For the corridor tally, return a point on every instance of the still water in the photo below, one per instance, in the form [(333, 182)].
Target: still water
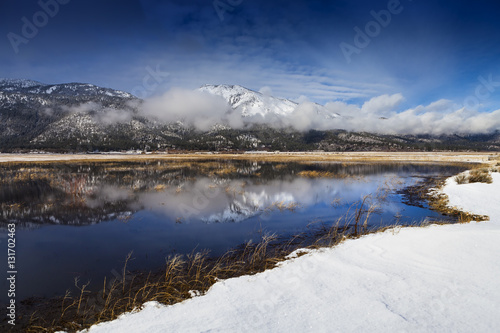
[(82, 219)]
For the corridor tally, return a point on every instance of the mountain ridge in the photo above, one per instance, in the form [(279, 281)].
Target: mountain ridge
[(72, 88), (84, 117)]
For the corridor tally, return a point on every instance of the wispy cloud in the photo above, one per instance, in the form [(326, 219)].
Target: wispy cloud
[(101, 114)]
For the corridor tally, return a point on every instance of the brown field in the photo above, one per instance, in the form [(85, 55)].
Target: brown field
[(304, 157)]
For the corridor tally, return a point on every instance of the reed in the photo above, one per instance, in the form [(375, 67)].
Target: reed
[(186, 276)]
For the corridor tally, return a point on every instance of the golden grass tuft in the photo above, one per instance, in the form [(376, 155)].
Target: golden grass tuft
[(461, 178), (160, 187), (322, 174), (479, 175)]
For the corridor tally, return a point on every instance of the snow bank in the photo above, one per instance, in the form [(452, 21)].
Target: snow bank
[(477, 198), (438, 278)]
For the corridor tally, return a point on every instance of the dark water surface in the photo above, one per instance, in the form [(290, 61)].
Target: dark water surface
[(83, 219)]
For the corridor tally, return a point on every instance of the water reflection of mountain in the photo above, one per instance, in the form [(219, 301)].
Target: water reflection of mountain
[(39, 202), (211, 191)]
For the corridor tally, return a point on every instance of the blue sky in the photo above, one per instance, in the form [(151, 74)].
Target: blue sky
[(427, 50)]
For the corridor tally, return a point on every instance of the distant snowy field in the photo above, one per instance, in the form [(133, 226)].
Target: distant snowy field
[(438, 278)]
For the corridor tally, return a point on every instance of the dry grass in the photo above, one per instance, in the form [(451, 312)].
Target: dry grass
[(438, 201), (429, 192), (375, 157), (325, 174), (182, 277), (316, 174), (461, 178), (337, 202), (476, 175), (480, 176), (185, 276), (160, 187), (281, 206), (71, 178)]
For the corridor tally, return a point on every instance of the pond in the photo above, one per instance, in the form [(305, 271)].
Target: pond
[(82, 219)]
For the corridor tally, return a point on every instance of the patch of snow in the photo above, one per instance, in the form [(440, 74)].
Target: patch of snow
[(51, 90), (477, 198)]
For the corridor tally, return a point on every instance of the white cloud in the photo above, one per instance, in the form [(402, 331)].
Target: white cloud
[(377, 115), (193, 108), (266, 90), (101, 114), (110, 116), (437, 118), (384, 105), (85, 107)]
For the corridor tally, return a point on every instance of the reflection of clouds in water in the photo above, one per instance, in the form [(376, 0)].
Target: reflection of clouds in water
[(236, 200), (106, 194)]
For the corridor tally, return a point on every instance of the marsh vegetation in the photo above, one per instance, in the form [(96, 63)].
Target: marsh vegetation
[(185, 225)]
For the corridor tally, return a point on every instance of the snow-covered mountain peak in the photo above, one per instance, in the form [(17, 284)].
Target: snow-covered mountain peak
[(250, 102)]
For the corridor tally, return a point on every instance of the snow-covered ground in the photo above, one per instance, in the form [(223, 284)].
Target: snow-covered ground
[(437, 278)]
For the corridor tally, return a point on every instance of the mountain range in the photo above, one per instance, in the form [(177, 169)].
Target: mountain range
[(83, 117)]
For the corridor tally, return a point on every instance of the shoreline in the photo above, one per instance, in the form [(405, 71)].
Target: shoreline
[(314, 238), (457, 283), (376, 157), (484, 157)]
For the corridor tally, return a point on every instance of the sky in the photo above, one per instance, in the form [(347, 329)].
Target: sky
[(443, 51)]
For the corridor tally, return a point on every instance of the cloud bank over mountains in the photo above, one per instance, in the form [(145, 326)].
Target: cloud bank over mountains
[(382, 114)]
